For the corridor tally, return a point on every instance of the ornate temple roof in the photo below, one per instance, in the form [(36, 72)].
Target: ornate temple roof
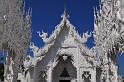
[(50, 41)]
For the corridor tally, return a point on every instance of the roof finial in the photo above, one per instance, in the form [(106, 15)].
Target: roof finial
[(64, 15), (65, 9)]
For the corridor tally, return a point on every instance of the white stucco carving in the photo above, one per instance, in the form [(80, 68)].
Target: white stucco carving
[(15, 35), (63, 51), (65, 55)]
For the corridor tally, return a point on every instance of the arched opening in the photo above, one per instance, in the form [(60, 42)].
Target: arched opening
[(64, 73), (64, 70)]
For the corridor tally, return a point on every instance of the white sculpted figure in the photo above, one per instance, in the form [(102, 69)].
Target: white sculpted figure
[(44, 36), (86, 36), (28, 61), (37, 54), (35, 49)]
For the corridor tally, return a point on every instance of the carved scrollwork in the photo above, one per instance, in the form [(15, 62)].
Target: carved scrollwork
[(36, 51), (86, 36), (86, 76), (44, 36)]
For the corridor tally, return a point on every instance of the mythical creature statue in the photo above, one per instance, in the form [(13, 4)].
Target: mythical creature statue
[(37, 54), (85, 37), (36, 51), (44, 36), (28, 61)]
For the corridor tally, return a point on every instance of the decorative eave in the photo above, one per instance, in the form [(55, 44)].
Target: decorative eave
[(58, 28), (49, 41)]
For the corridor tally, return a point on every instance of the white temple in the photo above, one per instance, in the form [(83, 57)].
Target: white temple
[(65, 56)]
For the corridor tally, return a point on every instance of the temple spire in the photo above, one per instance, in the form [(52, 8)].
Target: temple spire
[(65, 9), (65, 15)]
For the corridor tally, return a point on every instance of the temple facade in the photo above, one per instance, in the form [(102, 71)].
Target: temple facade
[(66, 58)]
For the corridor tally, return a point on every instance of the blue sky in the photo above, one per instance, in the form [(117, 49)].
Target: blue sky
[(47, 14)]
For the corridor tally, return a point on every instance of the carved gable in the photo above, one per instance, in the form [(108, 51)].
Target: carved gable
[(64, 56)]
